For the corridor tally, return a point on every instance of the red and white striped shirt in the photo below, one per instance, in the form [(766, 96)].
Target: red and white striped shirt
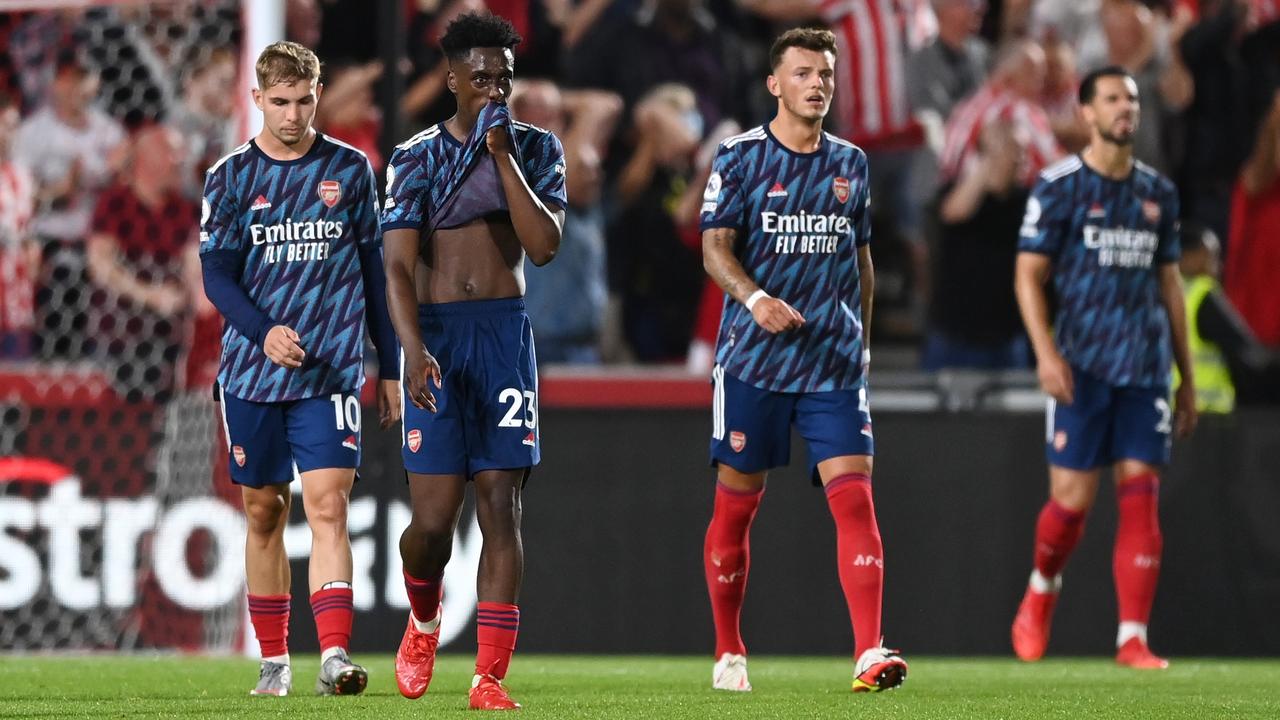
[(17, 287), (874, 38), (993, 103)]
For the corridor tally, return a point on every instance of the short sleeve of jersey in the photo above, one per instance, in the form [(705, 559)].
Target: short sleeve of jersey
[(1042, 224), (365, 215), (722, 201), (1169, 249), (218, 212), (408, 180), (545, 170), (862, 207)]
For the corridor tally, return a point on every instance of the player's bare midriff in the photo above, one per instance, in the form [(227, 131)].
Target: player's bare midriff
[(477, 261)]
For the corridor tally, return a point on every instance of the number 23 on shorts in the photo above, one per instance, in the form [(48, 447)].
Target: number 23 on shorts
[(517, 401)]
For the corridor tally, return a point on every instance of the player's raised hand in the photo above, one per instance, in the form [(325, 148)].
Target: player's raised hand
[(389, 410), (1055, 378), (1185, 416), (282, 347), (776, 315), (418, 367), (497, 141)]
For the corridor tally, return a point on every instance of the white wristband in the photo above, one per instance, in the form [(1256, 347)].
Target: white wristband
[(755, 298), (866, 357)]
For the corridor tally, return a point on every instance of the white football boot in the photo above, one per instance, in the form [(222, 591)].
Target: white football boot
[(730, 673)]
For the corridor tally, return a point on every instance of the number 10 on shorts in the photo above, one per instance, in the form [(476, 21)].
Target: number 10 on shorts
[(526, 400), (346, 408)]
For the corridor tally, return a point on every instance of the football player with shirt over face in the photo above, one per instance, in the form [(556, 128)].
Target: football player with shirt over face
[(786, 231), (468, 200), (1104, 228), (291, 255)]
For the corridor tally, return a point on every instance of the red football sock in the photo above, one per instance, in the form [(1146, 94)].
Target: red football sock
[(860, 556), (1136, 562), (726, 557), (270, 617), (333, 612), (497, 625), (424, 596), (1057, 532)]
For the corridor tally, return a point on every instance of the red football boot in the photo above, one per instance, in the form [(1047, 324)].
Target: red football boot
[(487, 693), (1134, 653), (1031, 625), (416, 659)]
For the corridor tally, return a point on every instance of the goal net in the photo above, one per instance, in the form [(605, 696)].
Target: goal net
[(117, 526)]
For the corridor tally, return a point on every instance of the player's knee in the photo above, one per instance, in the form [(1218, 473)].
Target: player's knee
[(852, 500), (426, 545), (328, 512), (1076, 497), (265, 516), (498, 508), (433, 532), (1137, 500)]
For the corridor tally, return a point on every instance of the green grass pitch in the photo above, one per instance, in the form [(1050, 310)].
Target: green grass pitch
[(649, 688)]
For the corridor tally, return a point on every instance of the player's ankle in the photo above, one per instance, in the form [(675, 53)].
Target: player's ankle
[(428, 626), (330, 652), (277, 659), (1129, 630), (1044, 585)]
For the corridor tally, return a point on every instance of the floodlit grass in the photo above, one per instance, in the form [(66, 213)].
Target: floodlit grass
[(649, 687)]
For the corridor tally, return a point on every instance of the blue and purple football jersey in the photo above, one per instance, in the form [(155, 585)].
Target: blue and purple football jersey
[(1107, 239), (801, 218), (436, 181), (297, 226)]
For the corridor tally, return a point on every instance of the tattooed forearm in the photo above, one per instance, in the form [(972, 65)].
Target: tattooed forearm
[(723, 267)]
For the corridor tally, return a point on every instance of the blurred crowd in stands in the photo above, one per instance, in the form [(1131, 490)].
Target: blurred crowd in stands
[(108, 117)]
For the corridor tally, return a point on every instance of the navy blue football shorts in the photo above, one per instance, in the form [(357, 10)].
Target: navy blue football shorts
[(487, 410), (1106, 423), (268, 443), (751, 428)]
